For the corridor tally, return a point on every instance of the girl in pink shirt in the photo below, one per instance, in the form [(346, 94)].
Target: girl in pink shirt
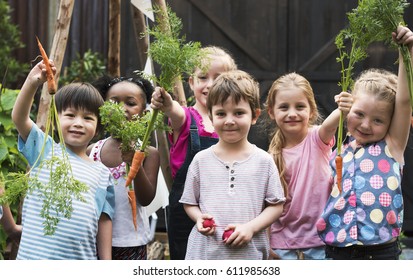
[(301, 150), (192, 131)]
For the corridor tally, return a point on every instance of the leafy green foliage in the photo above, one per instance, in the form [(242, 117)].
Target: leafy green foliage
[(10, 158), (10, 41), (58, 193), (129, 132), (84, 69), (171, 51)]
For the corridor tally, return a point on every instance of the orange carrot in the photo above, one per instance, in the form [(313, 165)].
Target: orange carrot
[(132, 201), (339, 169), (137, 160), (51, 83)]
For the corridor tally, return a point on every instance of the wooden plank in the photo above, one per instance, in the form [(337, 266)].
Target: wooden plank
[(232, 34), (114, 38)]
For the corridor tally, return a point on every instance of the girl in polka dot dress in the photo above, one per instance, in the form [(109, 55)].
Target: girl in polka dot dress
[(365, 219)]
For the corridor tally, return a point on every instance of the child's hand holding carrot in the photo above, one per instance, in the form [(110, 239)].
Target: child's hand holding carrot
[(161, 100), (344, 102), (38, 74)]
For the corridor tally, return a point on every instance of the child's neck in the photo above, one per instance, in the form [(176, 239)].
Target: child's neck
[(80, 152), (206, 121), (295, 139), (233, 152)]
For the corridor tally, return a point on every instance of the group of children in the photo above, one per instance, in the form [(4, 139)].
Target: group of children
[(230, 199)]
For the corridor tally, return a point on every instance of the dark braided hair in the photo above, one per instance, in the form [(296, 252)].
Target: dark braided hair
[(104, 83)]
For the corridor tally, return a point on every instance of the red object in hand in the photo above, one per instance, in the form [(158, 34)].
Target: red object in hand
[(227, 234), (208, 223)]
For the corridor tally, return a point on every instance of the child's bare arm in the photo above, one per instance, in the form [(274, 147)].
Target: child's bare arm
[(104, 237), (328, 129), (399, 127), (21, 109)]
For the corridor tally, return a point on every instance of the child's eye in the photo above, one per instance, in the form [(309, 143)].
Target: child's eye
[(377, 121), (359, 114), (202, 77)]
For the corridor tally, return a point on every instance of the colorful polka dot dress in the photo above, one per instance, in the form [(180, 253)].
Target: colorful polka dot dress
[(370, 209)]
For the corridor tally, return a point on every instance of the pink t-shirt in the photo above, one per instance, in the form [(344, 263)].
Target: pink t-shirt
[(308, 175), (179, 149)]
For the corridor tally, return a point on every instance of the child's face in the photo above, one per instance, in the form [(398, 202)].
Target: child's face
[(131, 95), (233, 121), (291, 112), (369, 119), (78, 128), (201, 82)]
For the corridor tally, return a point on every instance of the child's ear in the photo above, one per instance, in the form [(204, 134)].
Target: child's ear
[(257, 115), (191, 82), (270, 113)]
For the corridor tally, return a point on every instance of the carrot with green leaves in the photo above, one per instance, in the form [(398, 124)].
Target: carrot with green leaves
[(51, 83)]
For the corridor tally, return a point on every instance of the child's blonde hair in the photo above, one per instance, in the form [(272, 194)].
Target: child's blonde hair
[(285, 82), (224, 55), (379, 83), (236, 84)]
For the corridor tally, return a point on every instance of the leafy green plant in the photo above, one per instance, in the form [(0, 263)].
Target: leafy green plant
[(84, 68), (174, 55), (129, 132), (10, 158), (10, 41)]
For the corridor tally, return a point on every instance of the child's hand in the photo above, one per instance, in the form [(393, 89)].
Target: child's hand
[(241, 236), (38, 74), (403, 35), (161, 100), (344, 102), (199, 224)]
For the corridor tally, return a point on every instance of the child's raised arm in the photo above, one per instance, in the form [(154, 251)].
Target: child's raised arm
[(21, 110), (328, 129), (398, 132)]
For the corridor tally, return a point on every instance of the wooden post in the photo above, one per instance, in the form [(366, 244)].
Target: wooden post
[(57, 53), (114, 38), (142, 43)]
